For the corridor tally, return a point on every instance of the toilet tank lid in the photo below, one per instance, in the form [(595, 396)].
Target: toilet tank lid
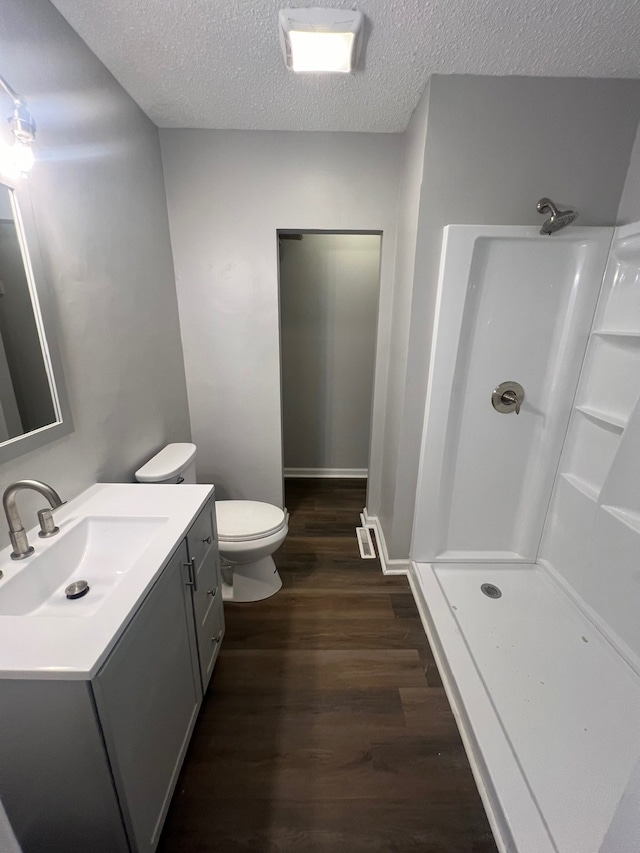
[(169, 462)]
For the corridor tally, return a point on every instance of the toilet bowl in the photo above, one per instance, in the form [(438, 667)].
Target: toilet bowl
[(248, 531), (248, 534)]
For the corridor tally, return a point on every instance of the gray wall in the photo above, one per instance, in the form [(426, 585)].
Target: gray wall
[(228, 193), (329, 288), (98, 196), (494, 146), (629, 210), (380, 501)]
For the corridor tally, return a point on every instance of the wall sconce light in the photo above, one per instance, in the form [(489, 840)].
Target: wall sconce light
[(320, 40), (17, 159)]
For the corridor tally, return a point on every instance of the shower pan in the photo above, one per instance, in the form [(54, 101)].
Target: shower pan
[(526, 542)]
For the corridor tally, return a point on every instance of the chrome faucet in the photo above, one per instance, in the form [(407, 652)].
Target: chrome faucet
[(17, 533)]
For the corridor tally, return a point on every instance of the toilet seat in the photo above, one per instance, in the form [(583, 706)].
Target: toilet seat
[(246, 521)]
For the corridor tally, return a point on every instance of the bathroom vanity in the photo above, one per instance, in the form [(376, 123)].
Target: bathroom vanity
[(100, 694)]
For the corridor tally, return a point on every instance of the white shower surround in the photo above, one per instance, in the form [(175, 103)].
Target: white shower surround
[(512, 305), (545, 680)]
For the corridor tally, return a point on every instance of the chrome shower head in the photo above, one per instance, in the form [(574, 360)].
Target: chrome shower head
[(558, 219)]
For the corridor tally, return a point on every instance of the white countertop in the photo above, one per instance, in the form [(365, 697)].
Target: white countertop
[(74, 647)]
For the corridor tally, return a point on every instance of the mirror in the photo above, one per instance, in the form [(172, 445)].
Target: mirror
[(33, 410)]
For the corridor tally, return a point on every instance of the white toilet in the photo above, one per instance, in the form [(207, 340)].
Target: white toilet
[(248, 531)]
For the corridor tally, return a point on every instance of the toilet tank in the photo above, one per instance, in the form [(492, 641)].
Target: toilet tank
[(175, 463)]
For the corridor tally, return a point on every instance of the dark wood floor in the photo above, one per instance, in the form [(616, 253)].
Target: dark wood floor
[(326, 728)]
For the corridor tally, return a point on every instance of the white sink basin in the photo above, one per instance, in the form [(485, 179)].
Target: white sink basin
[(116, 536), (99, 550)]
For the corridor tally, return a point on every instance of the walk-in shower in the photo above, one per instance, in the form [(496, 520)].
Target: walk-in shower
[(526, 542)]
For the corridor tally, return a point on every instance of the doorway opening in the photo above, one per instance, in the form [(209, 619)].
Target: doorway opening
[(329, 293)]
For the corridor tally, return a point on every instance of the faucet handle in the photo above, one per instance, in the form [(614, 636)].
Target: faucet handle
[(508, 397), (48, 526)]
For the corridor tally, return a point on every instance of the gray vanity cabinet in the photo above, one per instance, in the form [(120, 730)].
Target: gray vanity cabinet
[(147, 695), (204, 567), (91, 765)]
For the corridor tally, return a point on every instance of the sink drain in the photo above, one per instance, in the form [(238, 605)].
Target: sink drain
[(491, 590), (77, 589)]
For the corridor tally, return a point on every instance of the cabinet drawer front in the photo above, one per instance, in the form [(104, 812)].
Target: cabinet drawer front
[(202, 536), (210, 634), (208, 612), (207, 592)]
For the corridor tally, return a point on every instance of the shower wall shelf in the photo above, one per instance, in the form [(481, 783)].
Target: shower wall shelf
[(590, 448), (607, 392), (609, 378), (589, 490), (629, 517), (613, 333), (609, 418)]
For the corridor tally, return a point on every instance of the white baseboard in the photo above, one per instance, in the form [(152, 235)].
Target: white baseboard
[(346, 473), (389, 566)]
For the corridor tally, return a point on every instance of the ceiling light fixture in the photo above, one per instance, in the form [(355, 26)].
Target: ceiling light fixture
[(320, 40), (18, 159)]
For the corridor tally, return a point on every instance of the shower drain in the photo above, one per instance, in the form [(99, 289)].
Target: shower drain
[(491, 590)]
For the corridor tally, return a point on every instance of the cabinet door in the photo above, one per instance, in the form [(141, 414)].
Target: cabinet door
[(148, 698), (207, 593), (55, 779)]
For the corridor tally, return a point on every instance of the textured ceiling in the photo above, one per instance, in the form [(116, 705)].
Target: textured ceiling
[(217, 63)]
